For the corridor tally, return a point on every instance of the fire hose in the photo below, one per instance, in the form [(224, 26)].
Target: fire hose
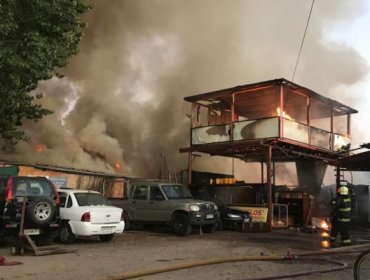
[(287, 257)]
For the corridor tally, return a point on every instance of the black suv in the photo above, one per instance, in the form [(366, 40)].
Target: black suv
[(41, 220)]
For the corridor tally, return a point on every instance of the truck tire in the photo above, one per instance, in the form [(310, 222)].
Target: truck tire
[(127, 221), (181, 224), (41, 210)]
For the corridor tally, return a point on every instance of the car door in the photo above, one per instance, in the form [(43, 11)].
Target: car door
[(66, 203), (158, 204), (139, 204)]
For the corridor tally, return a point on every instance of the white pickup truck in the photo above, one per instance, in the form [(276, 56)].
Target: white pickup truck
[(88, 213)]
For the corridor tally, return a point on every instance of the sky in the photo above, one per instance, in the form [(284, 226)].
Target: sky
[(355, 34), (120, 107)]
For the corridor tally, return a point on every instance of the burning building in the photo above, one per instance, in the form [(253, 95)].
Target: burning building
[(269, 122)]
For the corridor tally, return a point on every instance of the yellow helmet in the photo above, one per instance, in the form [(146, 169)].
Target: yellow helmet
[(343, 190)]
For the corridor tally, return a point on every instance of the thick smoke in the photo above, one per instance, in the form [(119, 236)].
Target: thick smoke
[(122, 95)]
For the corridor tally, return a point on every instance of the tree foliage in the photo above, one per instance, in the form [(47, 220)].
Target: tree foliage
[(36, 38)]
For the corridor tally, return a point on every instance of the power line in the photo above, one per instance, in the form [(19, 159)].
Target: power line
[(304, 36)]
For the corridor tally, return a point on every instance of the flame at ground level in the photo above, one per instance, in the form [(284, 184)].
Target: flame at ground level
[(324, 225)]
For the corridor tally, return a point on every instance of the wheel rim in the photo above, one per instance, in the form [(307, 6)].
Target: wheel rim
[(42, 211)]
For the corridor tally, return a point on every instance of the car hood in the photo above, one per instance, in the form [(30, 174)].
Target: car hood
[(192, 201), (229, 209)]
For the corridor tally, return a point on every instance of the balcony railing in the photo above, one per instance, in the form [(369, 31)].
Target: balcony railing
[(269, 128)]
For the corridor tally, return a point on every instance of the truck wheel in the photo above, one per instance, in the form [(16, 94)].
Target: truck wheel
[(181, 225), (41, 211), (127, 221), (66, 236)]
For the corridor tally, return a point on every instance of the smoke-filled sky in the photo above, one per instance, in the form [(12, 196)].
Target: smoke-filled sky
[(121, 100)]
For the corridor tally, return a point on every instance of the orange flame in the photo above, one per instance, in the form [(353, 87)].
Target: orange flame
[(39, 147), (324, 225), (285, 115), (325, 244), (325, 234), (118, 165)]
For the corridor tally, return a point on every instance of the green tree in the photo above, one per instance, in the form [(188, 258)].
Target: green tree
[(36, 38)]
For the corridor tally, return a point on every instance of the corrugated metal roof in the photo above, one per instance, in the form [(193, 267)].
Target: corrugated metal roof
[(221, 99), (66, 169), (356, 162)]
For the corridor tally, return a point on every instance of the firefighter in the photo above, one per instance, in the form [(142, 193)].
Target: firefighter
[(341, 217)]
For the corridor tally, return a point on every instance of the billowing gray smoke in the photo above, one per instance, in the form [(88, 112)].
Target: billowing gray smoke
[(122, 97)]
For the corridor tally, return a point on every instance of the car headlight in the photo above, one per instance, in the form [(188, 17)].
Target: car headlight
[(234, 216), (194, 207), (215, 207)]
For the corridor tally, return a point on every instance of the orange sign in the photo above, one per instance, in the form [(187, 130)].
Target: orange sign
[(259, 214)]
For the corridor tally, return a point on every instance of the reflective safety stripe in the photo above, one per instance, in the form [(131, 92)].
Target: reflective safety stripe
[(347, 200), (332, 238), (344, 220), (345, 209), (347, 241)]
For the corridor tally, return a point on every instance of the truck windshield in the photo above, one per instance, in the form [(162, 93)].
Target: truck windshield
[(176, 191)]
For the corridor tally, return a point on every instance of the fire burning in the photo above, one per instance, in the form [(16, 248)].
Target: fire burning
[(285, 115), (324, 225), (118, 165), (325, 233), (39, 148)]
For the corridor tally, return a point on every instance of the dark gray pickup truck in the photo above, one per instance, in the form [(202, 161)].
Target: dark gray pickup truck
[(153, 202)]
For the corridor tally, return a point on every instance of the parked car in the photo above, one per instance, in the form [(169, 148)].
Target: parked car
[(41, 201), (158, 202), (230, 217), (88, 213)]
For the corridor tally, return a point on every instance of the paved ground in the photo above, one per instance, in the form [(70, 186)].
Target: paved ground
[(140, 250)]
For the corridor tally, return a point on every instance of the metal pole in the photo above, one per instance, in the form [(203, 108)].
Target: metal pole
[(332, 129), (281, 118), (190, 159), (269, 190), (348, 125), (309, 119)]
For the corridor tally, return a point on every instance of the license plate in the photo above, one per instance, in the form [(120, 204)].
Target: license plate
[(209, 216), (107, 229), (31, 231)]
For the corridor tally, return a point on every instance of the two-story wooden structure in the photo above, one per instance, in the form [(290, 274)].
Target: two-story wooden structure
[(271, 121)]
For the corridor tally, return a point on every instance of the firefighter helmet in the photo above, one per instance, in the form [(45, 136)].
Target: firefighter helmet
[(343, 190)]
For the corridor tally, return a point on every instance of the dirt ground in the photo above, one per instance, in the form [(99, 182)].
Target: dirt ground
[(139, 250)]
